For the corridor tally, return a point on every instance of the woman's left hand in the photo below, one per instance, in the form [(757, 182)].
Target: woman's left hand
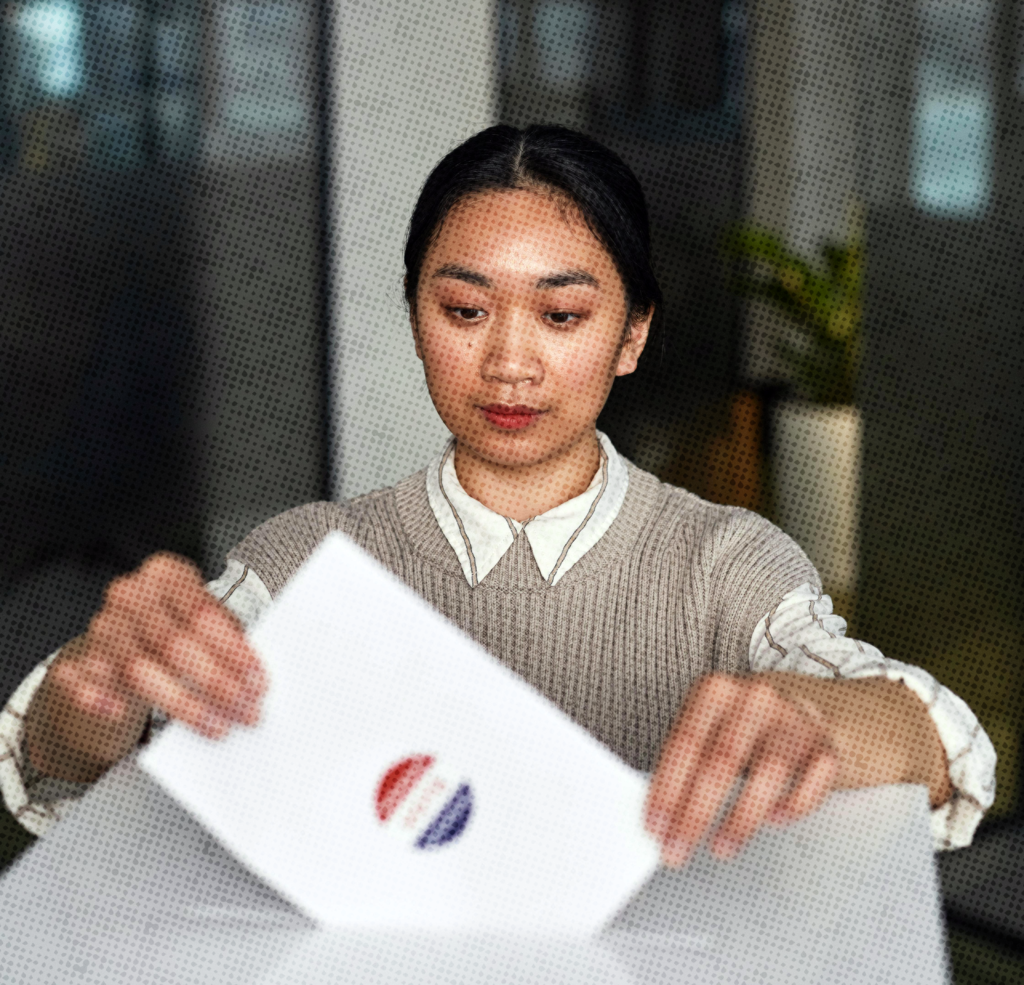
[(797, 738), (730, 725)]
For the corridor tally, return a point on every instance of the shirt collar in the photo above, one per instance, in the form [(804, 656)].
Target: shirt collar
[(558, 538)]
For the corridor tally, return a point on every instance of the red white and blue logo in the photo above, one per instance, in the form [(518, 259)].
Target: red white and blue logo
[(423, 803)]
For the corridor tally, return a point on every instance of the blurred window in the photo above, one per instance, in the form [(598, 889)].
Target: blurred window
[(954, 113), (565, 32), (661, 70), (177, 48), (118, 83), (115, 104), (53, 53), (265, 96)]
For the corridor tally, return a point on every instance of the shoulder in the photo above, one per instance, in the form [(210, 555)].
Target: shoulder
[(722, 537), (688, 515), (278, 547)]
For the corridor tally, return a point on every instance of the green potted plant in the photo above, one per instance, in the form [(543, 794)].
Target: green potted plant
[(825, 305), (816, 431)]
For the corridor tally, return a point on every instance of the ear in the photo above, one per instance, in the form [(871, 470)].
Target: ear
[(634, 345), (415, 333), (413, 325)]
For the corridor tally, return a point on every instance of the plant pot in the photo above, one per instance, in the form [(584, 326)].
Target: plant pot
[(816, 463)]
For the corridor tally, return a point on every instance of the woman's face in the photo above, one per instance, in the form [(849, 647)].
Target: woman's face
[(520, 321)]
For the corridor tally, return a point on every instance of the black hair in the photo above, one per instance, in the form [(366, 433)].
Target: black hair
[(595, 180)]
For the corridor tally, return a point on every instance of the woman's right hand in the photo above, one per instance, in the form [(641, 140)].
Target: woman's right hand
[(159, 639)]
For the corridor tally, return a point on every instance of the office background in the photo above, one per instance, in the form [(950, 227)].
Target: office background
[(202, 207)]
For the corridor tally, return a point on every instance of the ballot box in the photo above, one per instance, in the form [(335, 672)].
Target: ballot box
[(131, 889)]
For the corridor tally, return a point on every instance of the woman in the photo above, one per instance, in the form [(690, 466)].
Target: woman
[(638, 608)]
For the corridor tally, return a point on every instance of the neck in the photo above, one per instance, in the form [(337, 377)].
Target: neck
[(525, 491)]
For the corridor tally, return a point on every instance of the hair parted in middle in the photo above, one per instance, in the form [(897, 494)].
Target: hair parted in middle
[(596, 181)]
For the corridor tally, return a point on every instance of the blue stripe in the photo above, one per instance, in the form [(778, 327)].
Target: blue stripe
[(450, 822)]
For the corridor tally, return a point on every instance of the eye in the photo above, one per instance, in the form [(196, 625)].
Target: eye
[(467, 314), (562, 317)]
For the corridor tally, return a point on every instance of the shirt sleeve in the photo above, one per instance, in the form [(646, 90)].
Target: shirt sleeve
[(38, 801), (802, 634)]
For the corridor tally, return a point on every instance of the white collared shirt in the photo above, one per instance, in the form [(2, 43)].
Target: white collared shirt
[(558, 538)]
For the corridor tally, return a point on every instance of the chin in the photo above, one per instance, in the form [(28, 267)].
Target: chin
[(513, 449)]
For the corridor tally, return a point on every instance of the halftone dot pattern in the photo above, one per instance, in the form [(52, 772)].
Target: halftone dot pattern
[(203, 209)]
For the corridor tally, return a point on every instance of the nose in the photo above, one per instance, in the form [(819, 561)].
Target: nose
[(513, 356)]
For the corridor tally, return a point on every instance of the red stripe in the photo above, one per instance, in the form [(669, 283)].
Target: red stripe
[(397, 783)]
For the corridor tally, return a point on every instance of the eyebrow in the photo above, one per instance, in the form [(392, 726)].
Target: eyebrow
[(564, 278), (454, 272), (567, 278)]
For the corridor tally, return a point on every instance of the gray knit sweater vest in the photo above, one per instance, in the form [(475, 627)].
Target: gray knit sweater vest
[(673, 591)]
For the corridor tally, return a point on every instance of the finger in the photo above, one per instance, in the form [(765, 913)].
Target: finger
[(814, 786), (714, 781), (109, 719), (120, 636), (204, 674), (111, 632), (90, 686), (137, 617), (92, 666), (197, 640), (694, 731), (155, 584), (195, 653), (224, 636), (194, 611), (769, 782), (733, 745), (176, 584), (160, 687)]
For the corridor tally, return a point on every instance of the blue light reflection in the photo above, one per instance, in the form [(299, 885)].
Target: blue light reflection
[(55, 28)]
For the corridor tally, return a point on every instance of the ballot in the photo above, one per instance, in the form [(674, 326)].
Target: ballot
[(402, 779), (408, 813)]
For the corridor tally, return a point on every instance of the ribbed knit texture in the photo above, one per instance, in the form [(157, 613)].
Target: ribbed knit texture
[(673, 591)]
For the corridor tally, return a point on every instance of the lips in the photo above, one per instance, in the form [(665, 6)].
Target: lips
[(509, 417)]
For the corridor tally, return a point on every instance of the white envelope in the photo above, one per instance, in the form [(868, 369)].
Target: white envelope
[(402, 778)]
